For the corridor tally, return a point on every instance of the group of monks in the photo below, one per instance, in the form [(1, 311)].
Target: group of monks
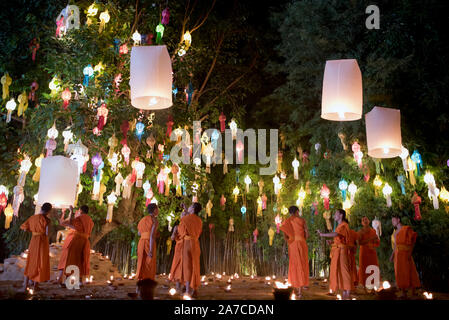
[(75, 250), (185, 267), (186, 260), (343, 269)]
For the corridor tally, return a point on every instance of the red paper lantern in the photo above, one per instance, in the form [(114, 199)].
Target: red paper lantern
[(66, 95)]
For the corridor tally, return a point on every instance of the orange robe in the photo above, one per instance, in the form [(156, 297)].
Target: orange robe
[(65, 250), (146, 266), (190, 229), (78, 250), (298, 254), (38, 262), (354, 236), (404, 266), (176, 267), (367, 254), (340, 269)]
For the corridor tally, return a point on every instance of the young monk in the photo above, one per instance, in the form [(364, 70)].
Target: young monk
[(78, 250), (352, 245), (38, 261), (190, 229), (368, 241), (340, 270), (176, 267), (404, 266), (146, 249), (296, 234), (65, 246)]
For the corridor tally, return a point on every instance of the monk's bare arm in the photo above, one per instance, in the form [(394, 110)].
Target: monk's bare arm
[(327, 235), (152, 236), (173, 235)]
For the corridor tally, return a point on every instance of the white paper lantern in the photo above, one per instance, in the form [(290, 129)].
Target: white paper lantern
[(58, 182), (342, 96), (383, 132), (151, 78)]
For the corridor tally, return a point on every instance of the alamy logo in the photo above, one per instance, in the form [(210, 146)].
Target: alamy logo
[(211, 141)]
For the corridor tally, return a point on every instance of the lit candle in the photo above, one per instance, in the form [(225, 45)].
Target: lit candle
[(172, 291)]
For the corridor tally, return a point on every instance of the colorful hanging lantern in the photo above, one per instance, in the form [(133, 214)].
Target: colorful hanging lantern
[(3, 197), (377, 182), (347, 204), (387, 190), (278, 222), (342, 91), (111, 202), (433, 190), (159, 33), (209, 206), (235, 192), (248, 183), (411, 167), (118, 183), (300, 202), (150, 90), (96, 162), (416, 158), (231, 225), (187, 38), (222, 119), (343, 186), (68, 137), (240, 147), (444, 196), (264, 201), (416, 201), (140, 127), (383, 132), (352, 189), (10, 106), (66, 95), (222, 202), (165, 16), (277, 184), (126, 152), (50, 145), (25, 166), (401, 181), (233, 127), (259, 206), (295, 165), (208, 152), (8, 216), (404, 155), (88, 72), (6, 81), (358, 155), (325, 192), (270, 236), (104, 18), (137, 38), (23, 103), (243, 211), (139, 168), (255, 234)]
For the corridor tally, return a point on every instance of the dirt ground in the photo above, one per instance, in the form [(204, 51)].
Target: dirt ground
[(243, 288)]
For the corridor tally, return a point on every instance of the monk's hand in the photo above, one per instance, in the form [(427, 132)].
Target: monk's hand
[(318, 232)]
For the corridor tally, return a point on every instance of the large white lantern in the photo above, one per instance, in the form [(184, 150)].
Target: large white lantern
[(58, 182), (342, 96), (151, 78), (383, 132)]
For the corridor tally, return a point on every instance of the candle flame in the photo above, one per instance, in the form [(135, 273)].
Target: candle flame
[(228, 288), (186, 297), (280, 285), (31, 291), (203, 278), (293, 296), (206, 283), (429, 296), (386, 285), (338, 297), (112, 278), (172, 291), (267, 278)]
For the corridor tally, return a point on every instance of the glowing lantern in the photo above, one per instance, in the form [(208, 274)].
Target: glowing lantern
[(231, 225), (342, 91), (91, 12), (416, 201), (416, 158), (270, 236), (68, 137), (295, 165), (66, 95), (377, 182), (255, 234), (8, 216), (247, 182), (347, 206), (137, 38), (243, 211), (50, 145), (325, 192), (352, 189), (139, 168), (54, 85), (118, 182), (300, 201), (233, 127), (104, 18), (277, 184), (277, 221), (3, 197), (433, 190), (126, 152), (444, 196), (159, 32), (151, 78), (187, 38), (88, 72), (10, 106), (259, 206), (58, 182), (235, 192), (383, 132), (6, 81), (23, 103), (404, 155), (358, 155), (140, 127), (387, 190), (25, 166), (111, 202), (343, 186)]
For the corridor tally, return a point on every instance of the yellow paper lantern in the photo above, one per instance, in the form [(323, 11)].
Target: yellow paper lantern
[(342, 96), (383, 132), (8, 214), (151, 78)]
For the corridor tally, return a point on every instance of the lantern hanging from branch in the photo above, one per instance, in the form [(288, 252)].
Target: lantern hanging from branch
[(235, 192), (387, 190), (377, 182), (383, 132), (3, 197), (222, 202), (6, 81), (50, 145), (58, 182), (433, 190), (343, 186), (417, 159), (270, 236), (151, 78), (118, 183), (325, 192), (10, 106), (259, 206), (66, 95), (247, 182), (404, 155), (416, 201), (358, 155), (342, 96), (25, 166), (111, 202), (444, 196), (8, 216), (209, 206), (300, 201), (352, 189), (278, 222), (295, 165)]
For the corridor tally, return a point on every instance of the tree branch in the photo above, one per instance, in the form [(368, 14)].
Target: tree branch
[(204, 19)]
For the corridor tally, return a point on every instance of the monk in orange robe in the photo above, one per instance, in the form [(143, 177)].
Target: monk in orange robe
[(340, 269), (78, 250), (65, 246), (352, 244), (296, 233), (37, 268), (146, 249), (404, 266), (176, 267), (368, 241), (190, 230)]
